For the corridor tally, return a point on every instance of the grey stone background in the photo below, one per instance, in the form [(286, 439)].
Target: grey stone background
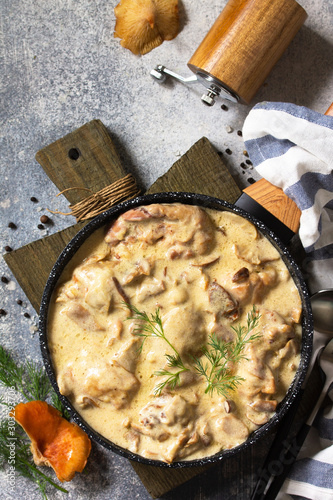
[(60, 68)]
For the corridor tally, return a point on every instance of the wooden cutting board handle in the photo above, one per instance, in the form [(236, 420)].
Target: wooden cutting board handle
[(82, 162), (276, 201)]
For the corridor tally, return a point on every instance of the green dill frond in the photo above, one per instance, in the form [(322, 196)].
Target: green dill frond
[(174, 361), (220, 354), (31, 383), (36, 382), (171, 381)]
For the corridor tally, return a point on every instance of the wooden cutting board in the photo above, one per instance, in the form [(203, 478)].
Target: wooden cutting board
[(87, 158)]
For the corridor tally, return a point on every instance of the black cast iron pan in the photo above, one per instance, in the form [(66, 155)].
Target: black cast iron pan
[(208, 202)]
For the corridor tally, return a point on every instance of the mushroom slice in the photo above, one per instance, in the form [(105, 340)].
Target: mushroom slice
[(221, 302), (264, 405), (242, 275), (143, 25), (55, 442), (260, 411)]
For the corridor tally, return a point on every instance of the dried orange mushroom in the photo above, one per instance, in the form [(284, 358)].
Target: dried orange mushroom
[(55, 442), (145, 24)]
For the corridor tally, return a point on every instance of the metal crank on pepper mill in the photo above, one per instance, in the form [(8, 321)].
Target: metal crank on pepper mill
[(241, 48)]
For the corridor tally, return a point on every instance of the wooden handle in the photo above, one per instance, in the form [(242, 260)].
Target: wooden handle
[(246, 41), (330, 110), (276, 201)]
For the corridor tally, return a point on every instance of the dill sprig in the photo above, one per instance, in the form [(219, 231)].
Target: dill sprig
[(243, 337), (216, 370), (30, 382), (222, 356), (151, 326), (28, 379), (219, 356)]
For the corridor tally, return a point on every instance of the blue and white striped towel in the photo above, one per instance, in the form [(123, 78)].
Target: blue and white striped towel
[(292, 147)]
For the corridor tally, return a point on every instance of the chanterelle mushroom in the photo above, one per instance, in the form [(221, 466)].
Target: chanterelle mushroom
[(143, 25)]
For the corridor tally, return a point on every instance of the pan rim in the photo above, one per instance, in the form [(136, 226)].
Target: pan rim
[(204, 201)]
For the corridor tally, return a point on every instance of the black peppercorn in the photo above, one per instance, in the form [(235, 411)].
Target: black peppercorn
[(44, 219)]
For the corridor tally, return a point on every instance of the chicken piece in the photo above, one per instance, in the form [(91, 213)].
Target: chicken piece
[(174, 449), (276, 332), (177, 295), (96, 279), (289, 350), (162, 414), (257, 252), (149, 288), (257, 375), (250, 287), (222, 303), (82, 317), (92, 284), (115, 328), (141, 268), (238, 227), (184, 328), (167, 418), (176, 224), (133, 438), (294, 313), (200, 438), (94, 379), (179, 251), (227, 430), (286, 355), (127, 355), (222, 332)]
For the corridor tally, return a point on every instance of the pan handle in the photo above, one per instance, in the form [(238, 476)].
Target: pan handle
[(330, 110)]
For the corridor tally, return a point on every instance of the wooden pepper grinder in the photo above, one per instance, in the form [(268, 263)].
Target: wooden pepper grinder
[(241, 48)]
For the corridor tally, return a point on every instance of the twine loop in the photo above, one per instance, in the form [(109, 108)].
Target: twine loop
[(120, 190)]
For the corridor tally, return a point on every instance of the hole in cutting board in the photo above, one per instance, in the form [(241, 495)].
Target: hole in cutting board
[(73, 154)]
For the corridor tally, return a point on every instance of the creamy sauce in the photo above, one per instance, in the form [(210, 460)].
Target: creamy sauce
[(204, 270)]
